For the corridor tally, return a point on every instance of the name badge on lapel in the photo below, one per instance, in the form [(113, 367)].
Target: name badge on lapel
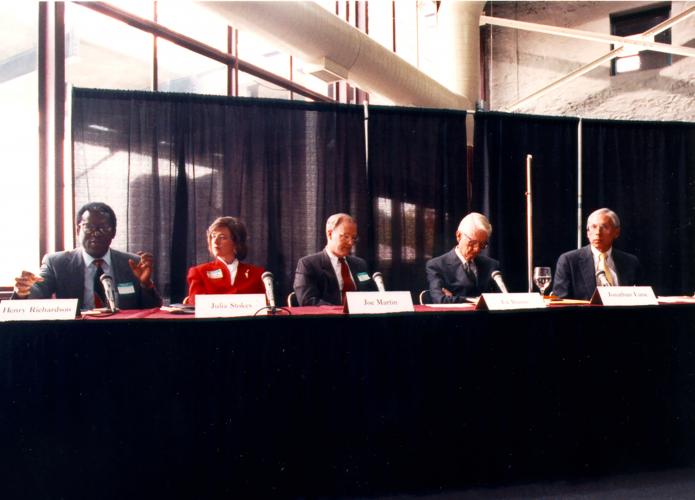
[(215, 274), (363, 276), (125, 288)]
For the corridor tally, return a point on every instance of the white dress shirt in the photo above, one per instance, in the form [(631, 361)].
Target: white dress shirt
[(90, 270)]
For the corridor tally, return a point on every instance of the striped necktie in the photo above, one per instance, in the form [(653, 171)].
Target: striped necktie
[(603, 266), (99, 293)]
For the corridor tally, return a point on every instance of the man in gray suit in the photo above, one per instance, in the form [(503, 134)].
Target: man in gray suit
[(577, 272), (74, 274), (323, 278), (463, 272)]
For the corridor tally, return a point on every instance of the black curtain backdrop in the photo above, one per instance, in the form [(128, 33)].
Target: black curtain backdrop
[(502, 142), (169, 164), (417, 174), (645, 171)]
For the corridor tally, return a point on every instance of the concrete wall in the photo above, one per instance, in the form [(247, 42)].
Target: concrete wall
[(521, 62)]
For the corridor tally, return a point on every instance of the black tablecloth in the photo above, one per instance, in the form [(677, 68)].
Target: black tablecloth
[(337, 405)]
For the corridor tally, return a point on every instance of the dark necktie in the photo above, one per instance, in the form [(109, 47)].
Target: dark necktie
[(470, 274), (99, 294), (348, 284)]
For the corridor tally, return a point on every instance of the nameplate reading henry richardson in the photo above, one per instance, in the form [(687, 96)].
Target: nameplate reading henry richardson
[(378, 302), (37, 310), (229, 306), (624, 296)]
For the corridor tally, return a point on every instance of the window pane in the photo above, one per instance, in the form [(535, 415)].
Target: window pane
[(181, 70), (258, 52), (104, 53), (195, 22), (19, 196)]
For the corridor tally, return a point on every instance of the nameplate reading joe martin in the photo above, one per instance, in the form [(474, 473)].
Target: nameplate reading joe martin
[(38, 309), (229, 306), (378, 302)]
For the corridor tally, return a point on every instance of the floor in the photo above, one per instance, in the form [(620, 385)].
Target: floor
[(678, 484)]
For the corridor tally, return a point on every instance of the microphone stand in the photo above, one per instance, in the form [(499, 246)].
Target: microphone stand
[(274, 311)]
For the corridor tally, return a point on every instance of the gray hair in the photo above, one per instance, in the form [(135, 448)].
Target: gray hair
[(337, 219), (608, 213), (475, 222)]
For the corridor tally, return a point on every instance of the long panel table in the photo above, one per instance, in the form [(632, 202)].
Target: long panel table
[(145, 404)]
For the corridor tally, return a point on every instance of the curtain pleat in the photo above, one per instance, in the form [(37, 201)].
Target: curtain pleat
[(645, 172)]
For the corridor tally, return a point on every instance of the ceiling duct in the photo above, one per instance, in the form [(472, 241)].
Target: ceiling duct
[(340, 51)]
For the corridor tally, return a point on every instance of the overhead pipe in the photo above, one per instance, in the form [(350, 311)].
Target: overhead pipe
[(317, 36)]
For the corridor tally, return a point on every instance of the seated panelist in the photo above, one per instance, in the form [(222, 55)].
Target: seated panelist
[(323, 278), (225, 274), (578, 272), (74, 274), (463, 272)]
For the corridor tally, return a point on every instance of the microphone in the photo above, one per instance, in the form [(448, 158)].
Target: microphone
[(497, 276), (601, 277), (267, 278), (379, 281), (107, 283)]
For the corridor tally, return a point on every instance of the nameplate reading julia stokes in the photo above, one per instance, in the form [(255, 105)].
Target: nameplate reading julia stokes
[(38, 310), (229, 306), (624, 296), (378, 302), (509, 301)]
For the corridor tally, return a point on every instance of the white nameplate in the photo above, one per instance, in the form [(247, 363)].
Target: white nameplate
[(378, 302), (35, 309), (509, 301), (229, 305), (624, 296)]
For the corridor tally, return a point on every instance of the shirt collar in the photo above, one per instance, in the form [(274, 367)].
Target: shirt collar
[(334, 258), (232, 265), (461, 257), (595, 252), (88, 259)]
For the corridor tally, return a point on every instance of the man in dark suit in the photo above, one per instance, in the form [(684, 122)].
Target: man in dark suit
[(323, 278), (74, 274), (578, 272), (463, 272)]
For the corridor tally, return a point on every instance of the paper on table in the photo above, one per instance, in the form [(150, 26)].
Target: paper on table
[(677, 299), (463, 305)]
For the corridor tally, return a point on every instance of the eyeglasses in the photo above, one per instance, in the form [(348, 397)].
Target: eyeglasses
[(347, 237), (598, 227), (482, 245), (90, 229)]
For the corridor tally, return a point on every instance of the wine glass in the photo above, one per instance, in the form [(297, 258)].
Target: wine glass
[(542, 278)]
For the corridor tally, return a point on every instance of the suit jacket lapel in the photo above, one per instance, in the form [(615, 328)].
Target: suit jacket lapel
[(327, 267), (588, 271), (76, 265), (483, 273), (619, 266), (460, 279)]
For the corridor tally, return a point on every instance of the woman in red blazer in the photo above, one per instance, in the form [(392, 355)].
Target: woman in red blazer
[(226, 274)]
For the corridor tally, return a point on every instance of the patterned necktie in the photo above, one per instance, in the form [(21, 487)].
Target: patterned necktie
[(99, 293), (348, 284), (603, 265), (469, 272)]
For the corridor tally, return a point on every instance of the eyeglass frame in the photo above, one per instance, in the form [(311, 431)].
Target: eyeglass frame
[(90, 229), (471, 242)]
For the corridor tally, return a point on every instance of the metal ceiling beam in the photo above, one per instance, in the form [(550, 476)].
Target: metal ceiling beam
[(639, 43), (663, 26)]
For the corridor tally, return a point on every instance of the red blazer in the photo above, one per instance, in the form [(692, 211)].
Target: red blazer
[(203, 279)]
